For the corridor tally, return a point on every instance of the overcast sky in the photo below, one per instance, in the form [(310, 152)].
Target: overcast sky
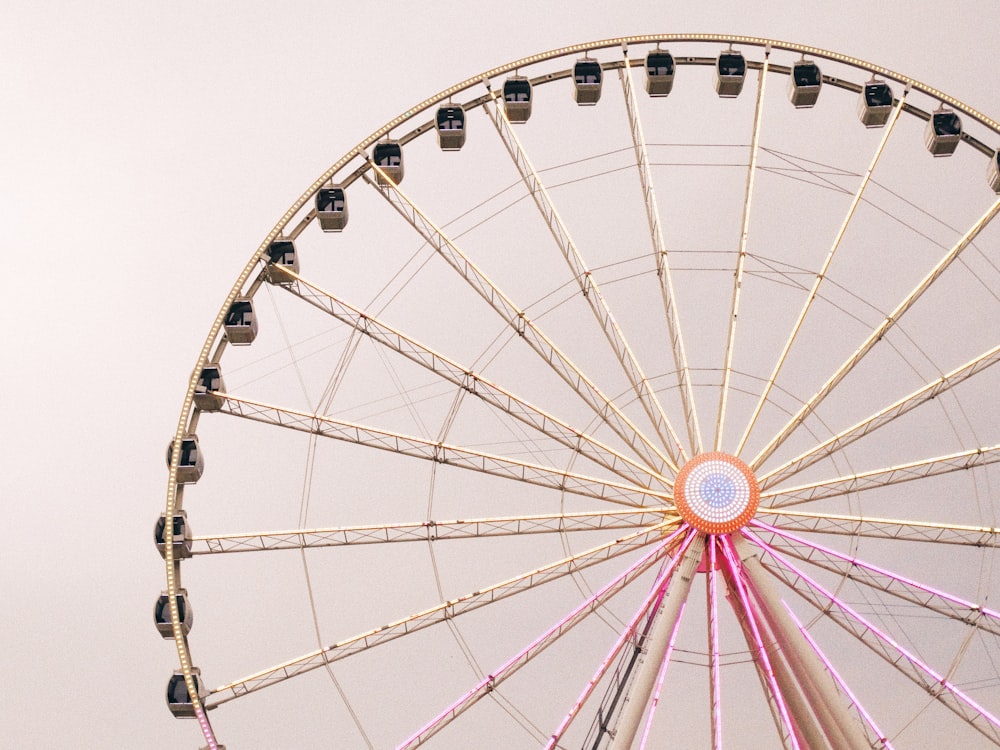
[(146, 150)]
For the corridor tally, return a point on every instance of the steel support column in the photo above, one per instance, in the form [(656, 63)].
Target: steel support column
[(807, 672), (637, 701)]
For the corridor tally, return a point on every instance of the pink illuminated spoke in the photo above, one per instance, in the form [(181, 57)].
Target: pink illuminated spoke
[(922, 595), (444, 612), (499, 675), (747, 611), (867, 717), (937, 685), (660, 678), (714, 679), (627, 633)]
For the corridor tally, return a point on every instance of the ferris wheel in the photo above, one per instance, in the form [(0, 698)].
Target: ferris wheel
[(654, 407)]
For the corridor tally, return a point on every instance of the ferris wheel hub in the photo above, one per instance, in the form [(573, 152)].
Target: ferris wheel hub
[(716, 493)]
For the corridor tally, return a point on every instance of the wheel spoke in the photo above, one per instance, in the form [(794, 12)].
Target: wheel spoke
[(880, 579), (426, 531), (881, 418), (452, 455), (727, 369), (928, 467), (821, 274), (441, 613), (936, 685), (622, 677), (660, 256), (748, 618), (472, 382), (819, 712), (881, 738), (656, 596), (987, 537), (653, 653), (876, 335), (660, 678), (588, 285), (518, 320), (714, 677), (550, 636)]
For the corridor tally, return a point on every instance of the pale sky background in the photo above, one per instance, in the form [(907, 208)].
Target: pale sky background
[(146, 150)]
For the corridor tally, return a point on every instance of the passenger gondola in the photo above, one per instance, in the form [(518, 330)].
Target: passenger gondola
[(161, 614), (282, 258), (517, 98), (388, 156), (587, 80), (804, 83), (943, 132), (659, 72), (875, 104), (331, 208), (181, 540), (178, 699), (190, 465), (206, 390), (241, 323), (450, 124), (993, 172), (731, 71)]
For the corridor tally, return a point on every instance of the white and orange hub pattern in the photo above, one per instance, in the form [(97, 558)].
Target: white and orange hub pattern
[(716, 493)]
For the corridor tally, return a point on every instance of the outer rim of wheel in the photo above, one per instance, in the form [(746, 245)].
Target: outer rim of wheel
[(188, 416)]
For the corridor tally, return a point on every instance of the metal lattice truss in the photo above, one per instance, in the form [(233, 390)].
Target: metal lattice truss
[(443, 612), (428, 531), (882, 528), (518, 320), (821, 274), (936, 684), (873, 338), (452, 455), (475, 384), (865, 427), (588, 285), (727, 368), (929, 467), (660, 256), (878, 579), (511, 666)]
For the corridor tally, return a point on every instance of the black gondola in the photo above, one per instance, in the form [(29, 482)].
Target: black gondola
[(875, 104), (731, 71), (190, 465), (804, 84), (209, 381), (659, 72), (388, 155), (993, 172), (241, 323), (178, 698), (181, 541), (517, 98), (161, 614), (331, 208), (450, 123), (587, 80), (281, 259), (943, 132)]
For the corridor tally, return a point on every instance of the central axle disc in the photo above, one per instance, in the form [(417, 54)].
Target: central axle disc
[(716, 493)]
